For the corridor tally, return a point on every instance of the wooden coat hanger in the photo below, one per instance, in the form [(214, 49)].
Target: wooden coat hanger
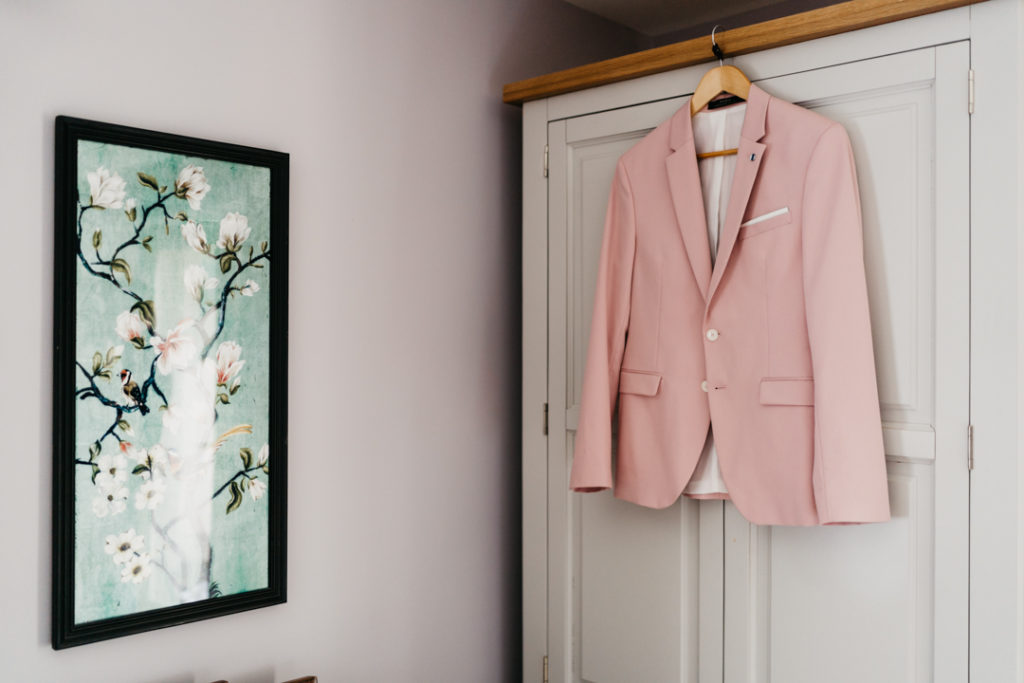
[(724, 78)]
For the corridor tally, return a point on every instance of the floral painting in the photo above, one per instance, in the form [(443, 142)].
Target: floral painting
[(169, 471)]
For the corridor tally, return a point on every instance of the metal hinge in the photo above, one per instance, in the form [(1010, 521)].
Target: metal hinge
[(970, 93), (545, 669), (545, 161), (545, 419), (970, 447)]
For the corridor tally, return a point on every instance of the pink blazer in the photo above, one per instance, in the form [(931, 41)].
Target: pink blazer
[(772, 346)]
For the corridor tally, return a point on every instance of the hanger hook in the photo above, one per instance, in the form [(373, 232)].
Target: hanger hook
[(715, 49)]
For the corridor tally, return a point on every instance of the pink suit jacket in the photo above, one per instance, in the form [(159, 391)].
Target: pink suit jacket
[(772, 346)]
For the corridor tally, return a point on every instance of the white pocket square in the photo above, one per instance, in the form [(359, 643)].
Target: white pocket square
[(765, 216)]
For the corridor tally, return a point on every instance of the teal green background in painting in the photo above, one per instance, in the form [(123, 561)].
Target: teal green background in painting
[(239, 540)]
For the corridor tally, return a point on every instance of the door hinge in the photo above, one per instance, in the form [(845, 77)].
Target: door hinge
[(545, 419), (970, 92), (970, 447), (545, 669), (545, 161)]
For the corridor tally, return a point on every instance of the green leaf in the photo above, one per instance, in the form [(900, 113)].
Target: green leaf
[(123, 425), (181, 216), (225, 262), (146, 311), (97, 239), (105, 374), (97, 362), (246, 455), (139, 469), (264, 245), (266, 469), (119, 265), (163, 188), (95, 471), (94, 450), (139, 343), (236, 497), (131, 214), (111, 357), (145, 245), (149, 181), (233, 390), (243, 484), (223, 398), (250, 252)]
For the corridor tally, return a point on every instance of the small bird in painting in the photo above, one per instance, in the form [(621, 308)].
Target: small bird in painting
[(131, 391)]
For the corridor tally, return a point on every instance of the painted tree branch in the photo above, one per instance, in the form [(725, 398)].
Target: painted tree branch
[(223, 303), (239, 473)]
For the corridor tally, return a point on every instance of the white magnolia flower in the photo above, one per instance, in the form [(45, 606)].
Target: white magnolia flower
[(191, 185), (129, 326), (113, 502), (234, 229), (263, 455), (106, 189), (124, 546), (137, 569), (250, 288), (130, 204), (113, 471), (197, 282), (177, 350), (195, 236), (257, 488), (228, 365), (150, 494)]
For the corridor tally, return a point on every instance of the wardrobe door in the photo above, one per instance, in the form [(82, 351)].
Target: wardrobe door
[(634, 594), (883, 602)]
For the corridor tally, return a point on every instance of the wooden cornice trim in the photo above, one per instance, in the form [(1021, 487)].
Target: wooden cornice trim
[(795, 28)]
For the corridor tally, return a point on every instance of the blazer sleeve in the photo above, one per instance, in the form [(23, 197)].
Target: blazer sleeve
[(849, 475), (592, 458)]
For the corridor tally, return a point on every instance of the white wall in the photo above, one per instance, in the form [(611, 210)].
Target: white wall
[(404, 325)]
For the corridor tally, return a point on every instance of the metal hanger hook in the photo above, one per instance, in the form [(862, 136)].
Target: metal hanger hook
[(715, 49)]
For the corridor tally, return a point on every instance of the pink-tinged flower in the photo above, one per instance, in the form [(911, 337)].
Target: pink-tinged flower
[(195, 236), (234, 229), (191, 185), (228, 364), (177, 350), (106, 189), (250, 288), (129, 326), (257, 488)]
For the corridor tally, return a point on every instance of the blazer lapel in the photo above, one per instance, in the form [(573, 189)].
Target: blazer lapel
[(684, 182), (748, 162)]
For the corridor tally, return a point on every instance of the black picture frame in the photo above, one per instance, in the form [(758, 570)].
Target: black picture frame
[(66, 372)]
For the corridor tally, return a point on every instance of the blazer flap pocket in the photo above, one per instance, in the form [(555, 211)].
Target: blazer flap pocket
[(787, 391), (637, 382), (765, 221)]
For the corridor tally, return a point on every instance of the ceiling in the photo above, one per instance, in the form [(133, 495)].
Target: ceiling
[(657, 17)]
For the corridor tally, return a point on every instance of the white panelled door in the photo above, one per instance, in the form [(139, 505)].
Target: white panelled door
[(696, 593)]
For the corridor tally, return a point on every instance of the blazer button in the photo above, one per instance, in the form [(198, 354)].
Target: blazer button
[(712, 334), (704, 386)]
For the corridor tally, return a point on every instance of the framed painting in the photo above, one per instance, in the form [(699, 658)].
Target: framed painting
[(169, 380)]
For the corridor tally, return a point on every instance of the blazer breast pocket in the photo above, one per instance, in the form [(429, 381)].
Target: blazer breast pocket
[(765, 222)]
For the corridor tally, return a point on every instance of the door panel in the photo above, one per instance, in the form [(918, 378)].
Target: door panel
[(694, 592), (854, 604)]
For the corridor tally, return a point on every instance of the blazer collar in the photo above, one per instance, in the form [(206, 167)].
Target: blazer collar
[(753, 120), (684, 183)]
